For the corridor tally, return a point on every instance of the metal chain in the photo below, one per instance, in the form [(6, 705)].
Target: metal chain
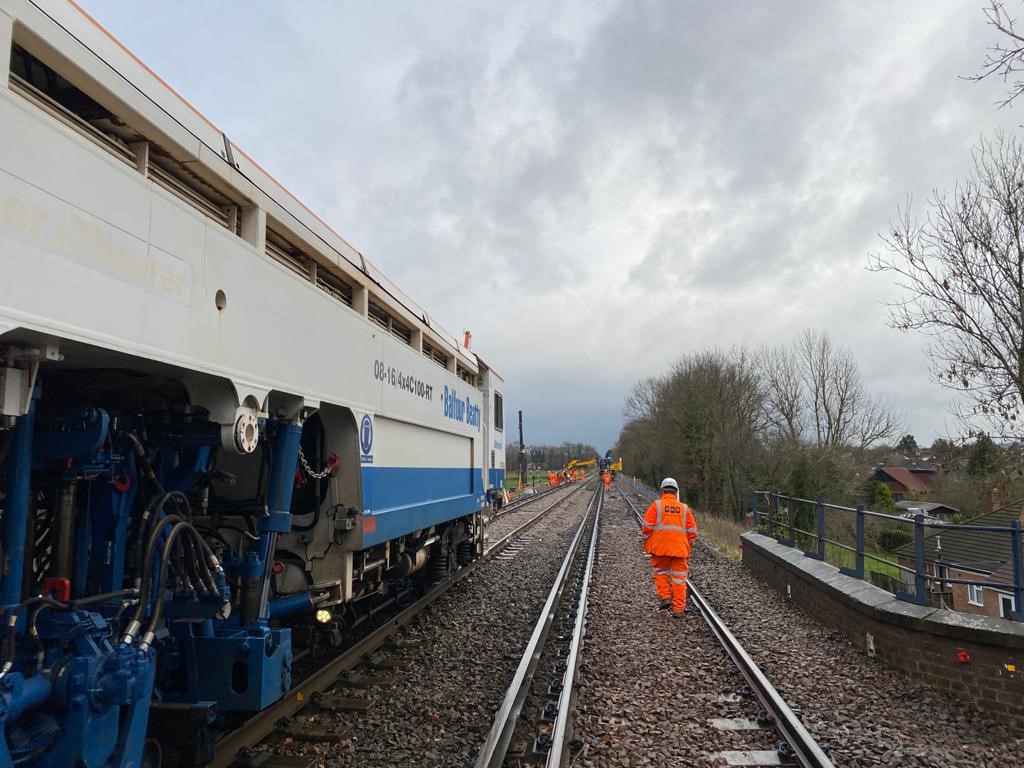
[(309, 470)]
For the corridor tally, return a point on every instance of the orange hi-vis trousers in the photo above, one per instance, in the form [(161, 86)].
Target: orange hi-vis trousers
[(670, 579)]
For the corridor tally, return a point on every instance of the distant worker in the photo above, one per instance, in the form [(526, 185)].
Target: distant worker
[(606, 478), (668, 530)]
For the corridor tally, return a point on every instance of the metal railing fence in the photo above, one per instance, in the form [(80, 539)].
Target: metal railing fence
[(917, 584)]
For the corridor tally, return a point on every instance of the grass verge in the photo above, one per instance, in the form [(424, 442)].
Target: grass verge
[(723, 533)]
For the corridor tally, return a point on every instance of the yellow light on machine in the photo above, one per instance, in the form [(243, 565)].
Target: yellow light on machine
[(323, 616)]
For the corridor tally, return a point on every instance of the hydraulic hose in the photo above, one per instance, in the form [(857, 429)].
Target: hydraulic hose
[(200, 553), (145, 566), (201, 572), (191, 538), (187, 569), (152, 513), (158, 608), (140, 454)]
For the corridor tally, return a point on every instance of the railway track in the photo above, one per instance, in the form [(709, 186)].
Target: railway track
[(535, 724), (500, 520), (534, 721), (548, 697), (526, 499), (796, 744), (284, 720)]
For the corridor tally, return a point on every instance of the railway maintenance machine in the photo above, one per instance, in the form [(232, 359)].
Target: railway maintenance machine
[(227, 441)]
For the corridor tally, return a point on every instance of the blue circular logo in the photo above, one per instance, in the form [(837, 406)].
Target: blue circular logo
[(366, 435)]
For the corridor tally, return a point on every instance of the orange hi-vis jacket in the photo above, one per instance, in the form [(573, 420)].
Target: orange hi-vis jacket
[(669, 527)]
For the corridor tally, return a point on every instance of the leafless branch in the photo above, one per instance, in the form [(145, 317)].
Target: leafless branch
[(962, 269)]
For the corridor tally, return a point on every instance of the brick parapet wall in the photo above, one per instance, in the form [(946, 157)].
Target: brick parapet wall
[(921, 641)]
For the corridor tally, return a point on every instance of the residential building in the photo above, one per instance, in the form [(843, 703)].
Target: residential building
[(956, 553), (903, 481)]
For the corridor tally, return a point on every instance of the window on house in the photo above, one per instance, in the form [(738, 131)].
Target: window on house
[(975, 594), (499, 416)]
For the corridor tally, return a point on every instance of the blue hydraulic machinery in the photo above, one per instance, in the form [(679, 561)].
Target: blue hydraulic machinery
[(122, 629)]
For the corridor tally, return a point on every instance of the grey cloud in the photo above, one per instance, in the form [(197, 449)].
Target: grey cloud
[(569, 162)]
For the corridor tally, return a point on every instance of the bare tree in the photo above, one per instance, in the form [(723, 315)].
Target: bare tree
[(814, 392), (725, 421), (642, 400), (1004, 59), (844, 414), (963, 267), (785, 410)]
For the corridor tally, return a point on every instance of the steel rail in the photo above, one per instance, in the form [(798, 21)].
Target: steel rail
[(512, 506), (509, 536), (263, 724), (803, 745), (495, 747), (561, 734)]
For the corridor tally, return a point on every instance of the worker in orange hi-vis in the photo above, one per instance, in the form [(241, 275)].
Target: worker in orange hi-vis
[(606, 478), (669, 530)]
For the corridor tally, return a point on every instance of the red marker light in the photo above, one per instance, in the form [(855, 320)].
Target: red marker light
[(963, 656)]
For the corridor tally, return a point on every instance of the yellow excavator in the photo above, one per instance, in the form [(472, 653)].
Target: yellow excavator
[(579, 464)]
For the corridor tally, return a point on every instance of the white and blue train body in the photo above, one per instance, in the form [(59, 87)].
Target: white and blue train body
[(225, 436)]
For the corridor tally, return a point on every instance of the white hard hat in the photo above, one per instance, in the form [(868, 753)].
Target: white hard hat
[(670, 483)]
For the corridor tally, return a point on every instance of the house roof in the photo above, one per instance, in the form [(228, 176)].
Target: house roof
[(920, 480), (980, 551), (1004, 574), (925, 507)]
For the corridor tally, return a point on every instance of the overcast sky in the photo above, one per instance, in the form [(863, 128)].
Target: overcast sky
[(595, 188)]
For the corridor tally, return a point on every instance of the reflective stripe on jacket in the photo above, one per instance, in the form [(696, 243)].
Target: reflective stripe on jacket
[(669, 527)]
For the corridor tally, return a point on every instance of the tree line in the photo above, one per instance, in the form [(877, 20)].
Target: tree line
[(724, 422), (546, 457)]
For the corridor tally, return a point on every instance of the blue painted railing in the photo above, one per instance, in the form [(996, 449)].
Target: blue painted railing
[(916, 582)]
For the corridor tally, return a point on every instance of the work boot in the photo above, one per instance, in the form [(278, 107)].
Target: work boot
[(678, 614), (665, 604)]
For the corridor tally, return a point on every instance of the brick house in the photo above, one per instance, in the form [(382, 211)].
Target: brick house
[(907, 480), (998, 602), (972, 555)]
